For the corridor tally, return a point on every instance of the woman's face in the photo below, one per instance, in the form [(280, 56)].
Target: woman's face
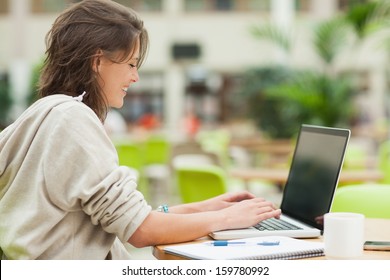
[(115, 78)]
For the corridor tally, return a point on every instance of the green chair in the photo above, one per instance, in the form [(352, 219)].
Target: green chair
[(384, 160), (131, 154), (157, 150), (196, 183), (372, 200)]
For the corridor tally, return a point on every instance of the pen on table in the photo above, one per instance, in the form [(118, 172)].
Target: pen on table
[(232, 243)]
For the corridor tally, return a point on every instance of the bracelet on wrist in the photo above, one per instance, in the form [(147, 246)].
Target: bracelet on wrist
[(163, 208)]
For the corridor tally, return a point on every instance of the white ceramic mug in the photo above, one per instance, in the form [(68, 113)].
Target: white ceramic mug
[(343, 235)]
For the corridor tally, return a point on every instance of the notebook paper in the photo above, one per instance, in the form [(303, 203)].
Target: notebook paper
[(287, 248)]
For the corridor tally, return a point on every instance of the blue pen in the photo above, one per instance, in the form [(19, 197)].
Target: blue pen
[(232, 243)]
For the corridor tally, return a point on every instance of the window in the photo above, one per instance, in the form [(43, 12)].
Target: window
[(151, 5), (4, 7), (302, 5), (346, 4), (195, 5), (142, 5), (49, 6), (226, 5), (259, 5)]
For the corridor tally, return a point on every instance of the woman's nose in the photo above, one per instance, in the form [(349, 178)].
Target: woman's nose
[(135, 76)]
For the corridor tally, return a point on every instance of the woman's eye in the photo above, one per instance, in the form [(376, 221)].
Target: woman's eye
[(132, 65)]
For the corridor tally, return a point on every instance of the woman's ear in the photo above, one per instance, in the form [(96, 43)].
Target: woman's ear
[(96, 61)]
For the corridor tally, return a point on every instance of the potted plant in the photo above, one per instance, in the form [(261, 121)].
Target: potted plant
[(284, 97), (281, 97)]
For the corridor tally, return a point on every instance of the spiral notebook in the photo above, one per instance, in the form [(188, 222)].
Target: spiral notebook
[(255, 248)]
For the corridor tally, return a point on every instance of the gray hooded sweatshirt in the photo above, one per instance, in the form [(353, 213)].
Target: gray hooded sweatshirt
[(62, 193)]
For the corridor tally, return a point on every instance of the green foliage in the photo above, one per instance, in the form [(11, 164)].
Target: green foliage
[(281, 99), (317, 98), (382, 13), (5, 101), (274, 116), (380, 21), (329, 38), (361, 17), (33, 92), (273, 34)]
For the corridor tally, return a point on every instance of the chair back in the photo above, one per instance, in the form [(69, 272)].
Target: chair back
[(157, 150), (196, 183), (130, 154), (372, 200)]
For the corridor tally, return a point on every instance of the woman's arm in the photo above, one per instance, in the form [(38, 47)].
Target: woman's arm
[(165, 228), (212, 204)]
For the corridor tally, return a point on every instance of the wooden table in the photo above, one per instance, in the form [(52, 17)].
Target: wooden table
[(375, 229), (279, 176)]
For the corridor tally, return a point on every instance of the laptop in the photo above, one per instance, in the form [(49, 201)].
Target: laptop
[(309, 189)]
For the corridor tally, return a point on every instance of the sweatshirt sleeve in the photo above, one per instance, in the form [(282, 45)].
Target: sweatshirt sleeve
[(81, 172)]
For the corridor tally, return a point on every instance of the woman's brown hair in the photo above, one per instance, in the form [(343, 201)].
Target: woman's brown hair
[(74, 40)]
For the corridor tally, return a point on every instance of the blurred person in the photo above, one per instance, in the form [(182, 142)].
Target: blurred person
[(62, 193), (191, 124), (149, 120)]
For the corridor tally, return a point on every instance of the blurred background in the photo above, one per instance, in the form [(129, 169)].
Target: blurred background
[(258, 64), (232, 80)]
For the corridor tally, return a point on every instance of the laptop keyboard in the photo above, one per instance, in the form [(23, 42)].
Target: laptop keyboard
[(275, 224)]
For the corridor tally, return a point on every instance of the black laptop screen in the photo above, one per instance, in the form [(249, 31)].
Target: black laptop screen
[(314, 173)]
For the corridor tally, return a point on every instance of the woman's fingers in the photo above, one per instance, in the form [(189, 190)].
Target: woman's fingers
[(252, 211), (240, 196)]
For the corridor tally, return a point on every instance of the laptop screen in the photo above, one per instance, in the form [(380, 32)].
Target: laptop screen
[(314, 172)]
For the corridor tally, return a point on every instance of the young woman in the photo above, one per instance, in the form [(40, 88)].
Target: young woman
[(62, 193)]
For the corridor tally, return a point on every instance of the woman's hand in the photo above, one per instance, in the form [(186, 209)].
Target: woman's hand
[(227, 211), (219, 202), (225, 200), (247, 213)]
